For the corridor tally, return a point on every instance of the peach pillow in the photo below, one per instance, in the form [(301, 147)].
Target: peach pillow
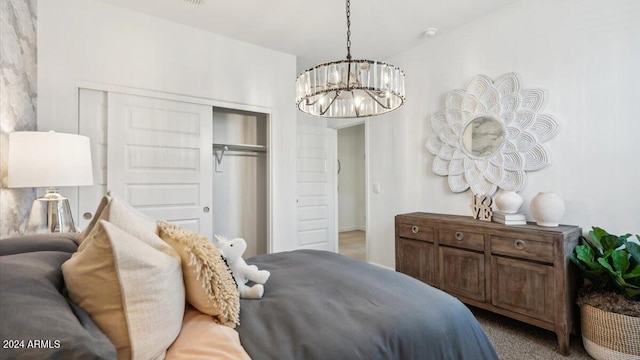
[(209, 284), (202, 339), (131, 287)]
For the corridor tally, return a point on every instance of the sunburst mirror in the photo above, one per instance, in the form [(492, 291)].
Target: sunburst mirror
[(489, 135)]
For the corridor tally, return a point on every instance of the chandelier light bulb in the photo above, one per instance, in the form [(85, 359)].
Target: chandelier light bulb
[(334, 77), (357, 101)]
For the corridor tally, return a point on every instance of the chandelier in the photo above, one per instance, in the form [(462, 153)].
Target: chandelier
[(350, 88)]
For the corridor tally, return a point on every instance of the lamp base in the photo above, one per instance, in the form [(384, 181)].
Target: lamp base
[(49, 214)]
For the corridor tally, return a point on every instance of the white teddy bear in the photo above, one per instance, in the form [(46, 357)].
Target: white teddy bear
[(232, 251)]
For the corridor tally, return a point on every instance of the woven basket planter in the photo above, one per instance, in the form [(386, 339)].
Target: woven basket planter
[(610, 336)]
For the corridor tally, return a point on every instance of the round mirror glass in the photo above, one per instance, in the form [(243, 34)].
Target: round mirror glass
[(483, 136)]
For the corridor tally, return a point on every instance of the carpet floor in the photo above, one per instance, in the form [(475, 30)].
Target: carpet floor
[(516, 340)]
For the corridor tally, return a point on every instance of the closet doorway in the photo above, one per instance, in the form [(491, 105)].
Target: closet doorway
[(352, 192), (240, 177)]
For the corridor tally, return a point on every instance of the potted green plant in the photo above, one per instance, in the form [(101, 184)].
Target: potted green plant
[(610, 303)]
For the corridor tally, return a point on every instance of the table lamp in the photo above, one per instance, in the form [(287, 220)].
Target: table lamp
[(52, 160)]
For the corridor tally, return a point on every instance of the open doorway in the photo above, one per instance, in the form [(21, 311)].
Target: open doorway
[(352, 192)]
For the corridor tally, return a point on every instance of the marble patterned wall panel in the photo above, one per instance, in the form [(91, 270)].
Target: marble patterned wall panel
[(18, 96)]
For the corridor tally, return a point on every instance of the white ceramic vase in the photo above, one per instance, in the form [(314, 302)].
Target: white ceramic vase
[(547, 209), (508, 202)]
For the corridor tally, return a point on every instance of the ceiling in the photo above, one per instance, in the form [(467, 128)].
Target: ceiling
[(315, 31)]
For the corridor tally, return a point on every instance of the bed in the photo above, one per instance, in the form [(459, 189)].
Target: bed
[(317, 305)]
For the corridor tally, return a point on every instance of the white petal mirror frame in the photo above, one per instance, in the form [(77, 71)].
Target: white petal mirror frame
[(516, 125)]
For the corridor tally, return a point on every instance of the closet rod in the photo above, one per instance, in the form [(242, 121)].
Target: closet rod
[(239, 147), (236, 147)]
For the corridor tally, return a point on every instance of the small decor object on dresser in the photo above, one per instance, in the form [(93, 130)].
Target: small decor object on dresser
[(481, 207), (508, 219), (547, 208), (508, 202)]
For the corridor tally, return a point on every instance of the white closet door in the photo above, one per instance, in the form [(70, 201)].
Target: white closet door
[(92, 122), (316, 187), (160, 158)]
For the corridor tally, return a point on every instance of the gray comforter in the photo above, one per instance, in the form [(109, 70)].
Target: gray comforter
[(321, 305)]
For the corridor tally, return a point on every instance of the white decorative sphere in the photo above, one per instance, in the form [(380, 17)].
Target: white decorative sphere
[(547, 209)]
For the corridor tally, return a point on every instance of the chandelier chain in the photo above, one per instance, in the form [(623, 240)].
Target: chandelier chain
[(349, 29)]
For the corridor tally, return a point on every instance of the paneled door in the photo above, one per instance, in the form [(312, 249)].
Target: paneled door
[(317, 181), (92, 122), (160, 158)]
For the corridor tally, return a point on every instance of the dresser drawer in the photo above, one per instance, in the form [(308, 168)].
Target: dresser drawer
[(461, 239), (522, 248), (413, 231)]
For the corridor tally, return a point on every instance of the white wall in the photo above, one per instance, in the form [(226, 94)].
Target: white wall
[(586, 53), (87, 40), (351, 187)]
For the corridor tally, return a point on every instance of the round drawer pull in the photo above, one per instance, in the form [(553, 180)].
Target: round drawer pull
[(415, 229), (459, 236), (87, 215), (519, 244)]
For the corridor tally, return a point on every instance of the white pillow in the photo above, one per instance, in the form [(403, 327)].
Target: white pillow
[(124, 216)]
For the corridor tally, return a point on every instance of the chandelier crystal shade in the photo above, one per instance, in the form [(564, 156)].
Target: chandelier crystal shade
[(350, 88)]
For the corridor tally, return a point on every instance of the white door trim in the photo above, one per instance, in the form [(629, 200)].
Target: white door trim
[(171, 96), (342, 125)]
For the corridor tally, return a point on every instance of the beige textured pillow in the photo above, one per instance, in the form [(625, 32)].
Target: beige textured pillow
[(124, 216), (132, 289), (202, 339), (208, 281)]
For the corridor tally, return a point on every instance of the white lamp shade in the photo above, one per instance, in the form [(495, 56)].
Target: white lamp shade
[(48, 159)]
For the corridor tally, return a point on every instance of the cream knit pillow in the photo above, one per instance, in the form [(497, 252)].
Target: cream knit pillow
[(131, 287), (207, 278), (118, 212)]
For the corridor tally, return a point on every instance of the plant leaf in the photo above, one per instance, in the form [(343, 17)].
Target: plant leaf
[(631, 291), (620, 261), (634, 250), (600, 277), (597, 233), (606, 265), (611, 242), (587, 255), (594, 239), (632, 274)]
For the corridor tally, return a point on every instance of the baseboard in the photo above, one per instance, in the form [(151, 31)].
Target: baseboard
[(351, 228)]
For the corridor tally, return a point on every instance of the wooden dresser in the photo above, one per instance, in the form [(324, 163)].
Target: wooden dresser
[(522, 272)]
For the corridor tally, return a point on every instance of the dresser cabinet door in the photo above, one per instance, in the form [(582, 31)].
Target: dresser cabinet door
[(417, 258), (462, 272), (523, 287)]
